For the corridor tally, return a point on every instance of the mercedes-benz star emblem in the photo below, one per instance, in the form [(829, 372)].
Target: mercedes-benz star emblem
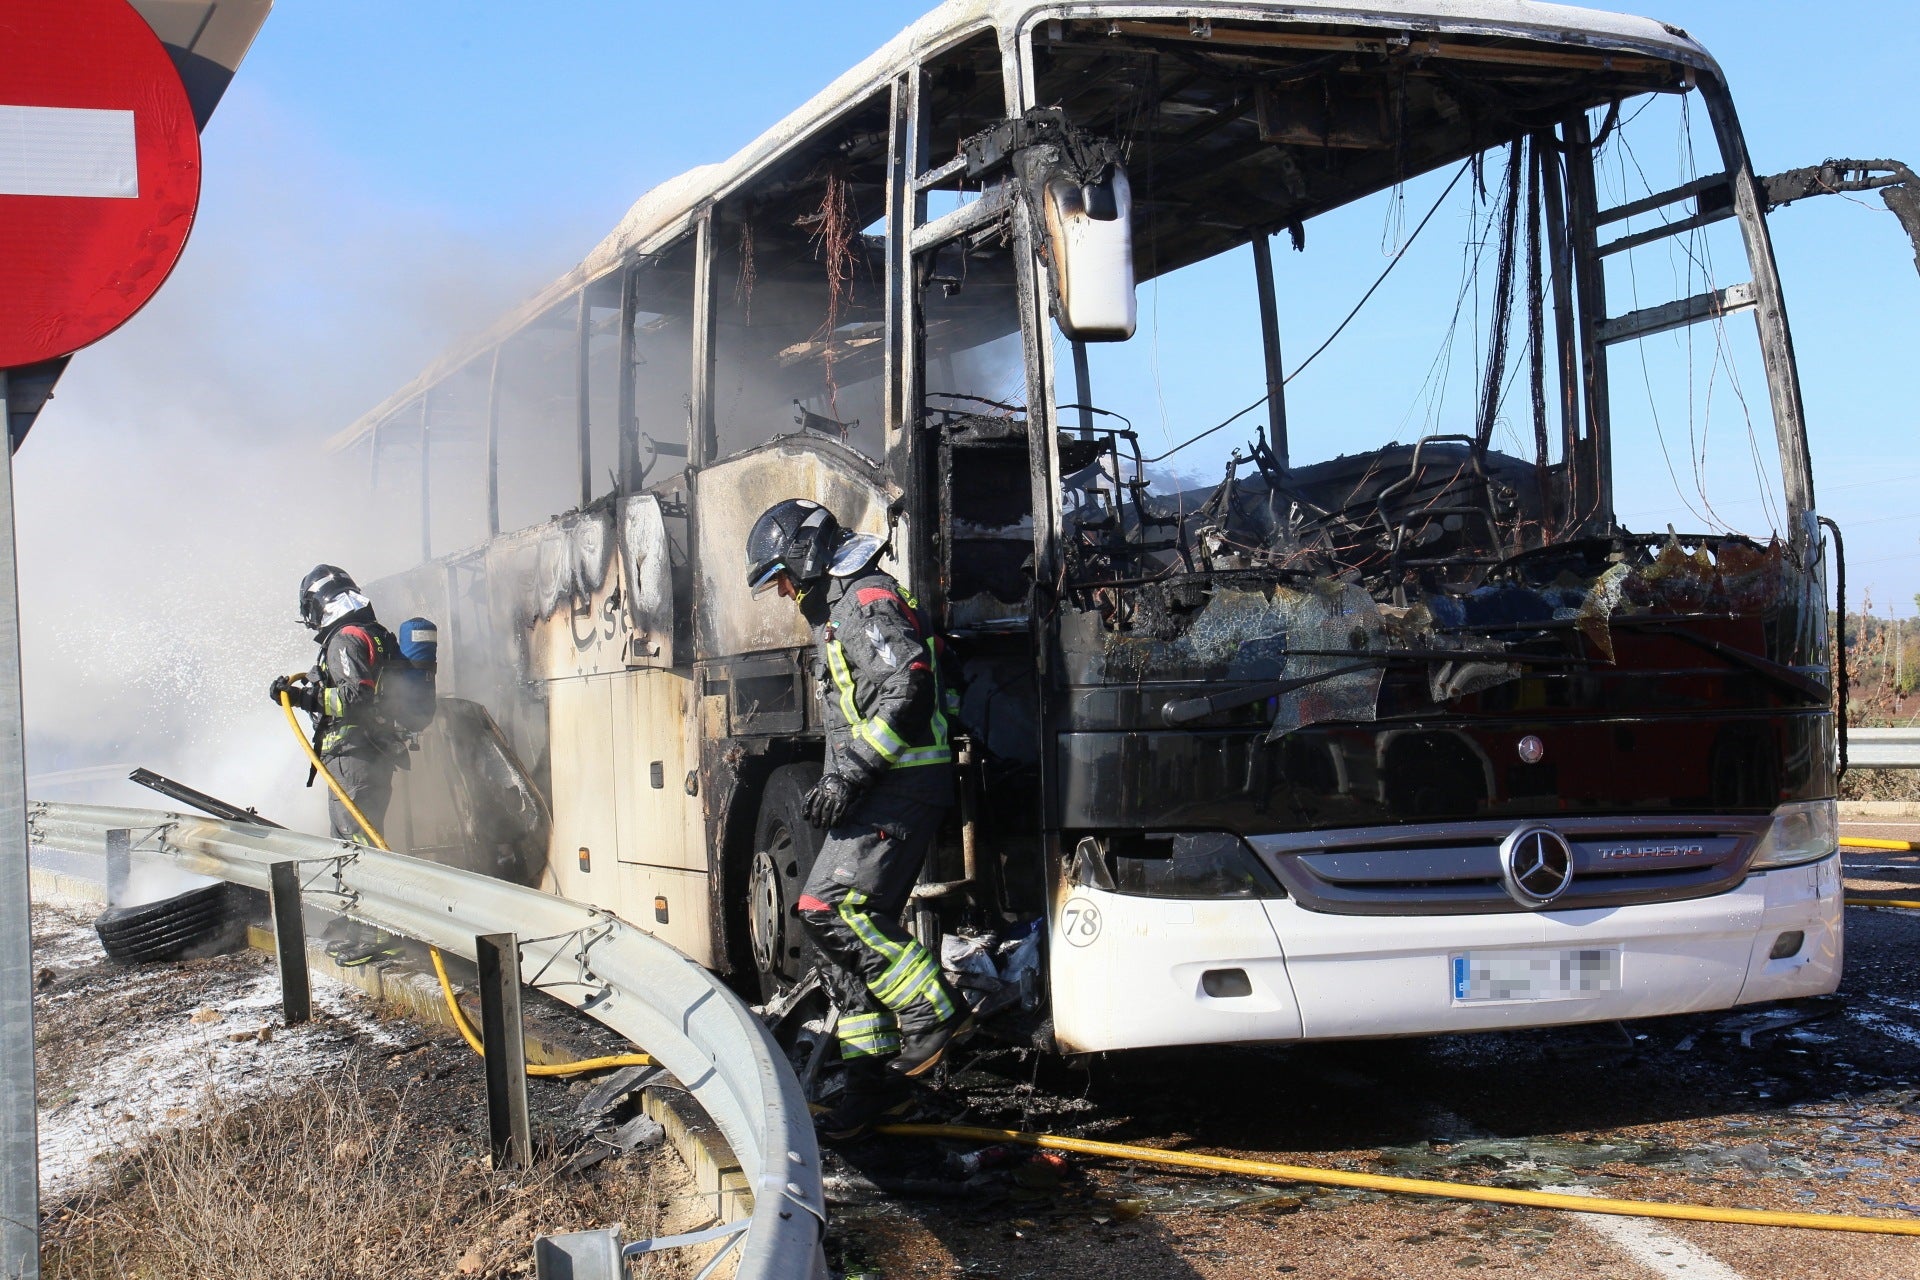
[(1536, 865)]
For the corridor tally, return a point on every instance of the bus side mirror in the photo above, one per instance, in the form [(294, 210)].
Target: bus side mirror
[(1089, 228)]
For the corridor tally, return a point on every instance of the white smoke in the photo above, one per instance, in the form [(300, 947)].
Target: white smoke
[(171, 496)]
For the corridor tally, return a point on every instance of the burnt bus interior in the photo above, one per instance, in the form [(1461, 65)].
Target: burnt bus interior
[(1318, 640)]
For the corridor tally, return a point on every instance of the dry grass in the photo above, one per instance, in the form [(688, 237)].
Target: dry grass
[(1881, 784), (344, 1179)]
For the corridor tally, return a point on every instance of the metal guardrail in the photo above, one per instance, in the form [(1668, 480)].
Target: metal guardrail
[(629, 980), (1883, 748)]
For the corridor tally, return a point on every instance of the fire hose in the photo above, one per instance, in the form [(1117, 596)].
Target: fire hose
[(1426, 1186), (1413, 1186), (1866, 842), (1888, 846), (458, 1014)]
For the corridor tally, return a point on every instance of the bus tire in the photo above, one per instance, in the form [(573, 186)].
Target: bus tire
[(784, 847)]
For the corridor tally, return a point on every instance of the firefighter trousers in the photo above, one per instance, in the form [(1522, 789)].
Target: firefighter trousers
[(883, 981), (369, 783)]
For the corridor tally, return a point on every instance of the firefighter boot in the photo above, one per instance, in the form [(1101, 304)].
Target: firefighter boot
[(873, 1095), (921, 1052)]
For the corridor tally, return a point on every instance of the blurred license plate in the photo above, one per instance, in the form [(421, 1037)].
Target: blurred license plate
[(1535, 975)]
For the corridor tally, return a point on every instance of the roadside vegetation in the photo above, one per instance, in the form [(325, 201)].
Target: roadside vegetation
[(186, 1136)]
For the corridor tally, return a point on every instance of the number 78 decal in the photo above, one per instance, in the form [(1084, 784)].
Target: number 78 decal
[(1079, 922)]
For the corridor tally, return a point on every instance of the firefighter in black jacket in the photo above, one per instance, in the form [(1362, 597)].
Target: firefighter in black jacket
[(887, 785), (360, 750)]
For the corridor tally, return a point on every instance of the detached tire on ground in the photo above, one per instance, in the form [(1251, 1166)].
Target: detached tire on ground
[(199, 922), (784, 847)]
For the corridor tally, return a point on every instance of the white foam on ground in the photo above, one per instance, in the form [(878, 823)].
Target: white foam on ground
[(1909, 1006), (162, 1071), (1657, 1249)]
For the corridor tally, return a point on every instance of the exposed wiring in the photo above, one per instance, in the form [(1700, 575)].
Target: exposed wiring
[(1339, 328), (1391, 264), (460, 1021), (1416, 1186)]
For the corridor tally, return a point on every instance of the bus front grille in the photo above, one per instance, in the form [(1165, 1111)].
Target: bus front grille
[(1455, 868)]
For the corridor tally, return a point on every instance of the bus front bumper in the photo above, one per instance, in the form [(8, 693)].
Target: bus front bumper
[(1133, 972)]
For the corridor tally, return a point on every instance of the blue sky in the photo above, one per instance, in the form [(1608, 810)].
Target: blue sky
[(382, 178), (526, 138)]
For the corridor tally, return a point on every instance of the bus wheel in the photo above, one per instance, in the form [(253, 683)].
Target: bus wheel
[(784, 847)]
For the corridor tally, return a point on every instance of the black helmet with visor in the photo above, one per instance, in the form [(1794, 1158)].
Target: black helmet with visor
[(328, 594), (804, 541), (795, 537)]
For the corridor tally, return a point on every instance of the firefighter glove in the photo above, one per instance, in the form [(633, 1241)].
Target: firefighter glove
[(303, 696), (828, 804)]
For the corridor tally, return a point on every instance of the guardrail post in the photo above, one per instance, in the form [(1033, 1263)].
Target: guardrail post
[(498, 955), (290, 943), (119, 865)]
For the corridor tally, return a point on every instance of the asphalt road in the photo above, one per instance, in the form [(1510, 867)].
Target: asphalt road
[(1811, 1106)]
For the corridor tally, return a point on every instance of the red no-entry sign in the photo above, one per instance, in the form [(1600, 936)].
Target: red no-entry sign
[(99, 172)]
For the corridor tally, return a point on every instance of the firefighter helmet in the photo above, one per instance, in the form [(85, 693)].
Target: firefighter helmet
[(327, 594), (795, 537), (804, 540)]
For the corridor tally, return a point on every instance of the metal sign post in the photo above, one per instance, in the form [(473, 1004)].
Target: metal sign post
[(19, 1121)]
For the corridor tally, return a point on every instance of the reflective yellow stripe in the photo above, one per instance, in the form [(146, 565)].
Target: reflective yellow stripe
[(330, 703), (880, 735), (867, 1035), (899, 983), (843, 678), (863, 928), (876, 732), (911, 973), (866, 1021), (872, 1045), (936, 993), (939, 752)]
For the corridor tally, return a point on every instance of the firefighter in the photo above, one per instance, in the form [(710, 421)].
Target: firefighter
[(887, 785), (359, 748)]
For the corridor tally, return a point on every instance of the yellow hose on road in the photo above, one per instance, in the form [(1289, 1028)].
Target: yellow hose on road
[(1883, 902), (467, 1032), (1414, 1186), (1867, 842)]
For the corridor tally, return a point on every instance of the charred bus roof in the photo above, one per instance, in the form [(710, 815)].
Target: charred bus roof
[(1492, 71)]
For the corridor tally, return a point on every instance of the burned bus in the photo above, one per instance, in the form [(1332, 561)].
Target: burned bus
[(1352, 452)]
